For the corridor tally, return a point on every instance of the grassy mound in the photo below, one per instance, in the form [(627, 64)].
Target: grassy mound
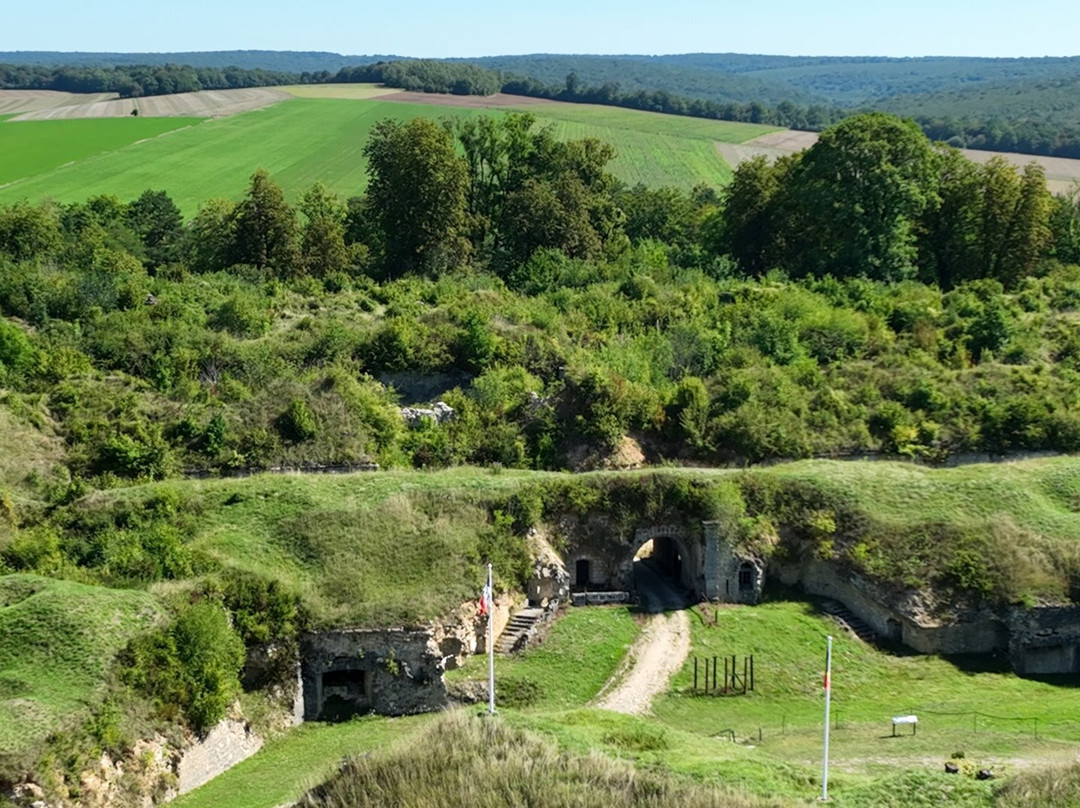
[(361, 549), (469, 761), (58, 640)]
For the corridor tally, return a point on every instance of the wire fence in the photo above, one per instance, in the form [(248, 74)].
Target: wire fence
[(955, 723)]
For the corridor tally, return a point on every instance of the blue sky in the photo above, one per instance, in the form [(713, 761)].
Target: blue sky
[(482, 27)]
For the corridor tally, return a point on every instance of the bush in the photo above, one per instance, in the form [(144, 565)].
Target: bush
[(191, 666), (297, 423)]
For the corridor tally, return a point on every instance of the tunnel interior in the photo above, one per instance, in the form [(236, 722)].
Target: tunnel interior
[(662, 556)]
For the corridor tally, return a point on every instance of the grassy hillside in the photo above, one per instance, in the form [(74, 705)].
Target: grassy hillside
[(58, 640), (309, 139), (391, 547), (378, 548)]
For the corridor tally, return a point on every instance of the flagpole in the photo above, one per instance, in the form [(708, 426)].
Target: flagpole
[(828, 697), (491, 644)]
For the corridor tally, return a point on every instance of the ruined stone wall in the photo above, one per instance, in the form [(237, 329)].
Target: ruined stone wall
[(976, 632), (1045, 640), (402, 669)]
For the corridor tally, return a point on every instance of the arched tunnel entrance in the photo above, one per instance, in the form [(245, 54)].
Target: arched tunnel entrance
[(658, 575)]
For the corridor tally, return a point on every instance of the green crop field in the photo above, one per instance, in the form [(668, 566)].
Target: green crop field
[(33, 147), (308, 139)]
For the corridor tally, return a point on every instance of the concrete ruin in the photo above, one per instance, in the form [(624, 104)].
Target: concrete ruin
[(356, 671)]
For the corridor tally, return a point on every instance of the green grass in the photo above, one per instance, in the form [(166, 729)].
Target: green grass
[(57, 642), (1041, 495), (308, 139), (654, 123), (783, 716), (570, 667), (30, 148), (367, 549), (298, 760)]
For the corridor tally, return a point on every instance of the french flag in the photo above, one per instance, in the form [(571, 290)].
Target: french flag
[(485, 599)]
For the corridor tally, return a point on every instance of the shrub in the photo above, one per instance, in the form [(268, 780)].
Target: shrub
[(192, 665), (297, 423)]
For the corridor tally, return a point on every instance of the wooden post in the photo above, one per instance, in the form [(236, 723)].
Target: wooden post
[(725, 675), (734, 675), (714, 673), (745, 665), (751, 671)]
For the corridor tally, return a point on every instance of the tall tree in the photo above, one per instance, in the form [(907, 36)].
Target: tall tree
[(324, 231), (29, 231), (210, 235), (265, 230), (747, 227), (157, 221), (417, 194), (855, 196)]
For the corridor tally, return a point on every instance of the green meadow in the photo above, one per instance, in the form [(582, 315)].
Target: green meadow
[(304, 140), (29, 148), (57, 644)]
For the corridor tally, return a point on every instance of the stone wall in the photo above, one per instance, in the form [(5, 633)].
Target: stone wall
[(892, 617), (610, 554), (224, 746), (394, 672), (1045, 640), (727, 574)]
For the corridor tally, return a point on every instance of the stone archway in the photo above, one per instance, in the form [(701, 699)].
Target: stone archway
[(672, 551)]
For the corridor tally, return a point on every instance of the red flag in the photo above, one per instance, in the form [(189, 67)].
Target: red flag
[(826, 680), (485, 599)]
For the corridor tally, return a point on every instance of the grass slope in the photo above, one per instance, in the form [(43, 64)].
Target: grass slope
[(307, 139), (57, 641), (34, 147), (371, 549), (292, 763)]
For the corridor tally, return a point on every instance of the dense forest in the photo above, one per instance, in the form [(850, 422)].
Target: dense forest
[(875, 293), (136, 80)]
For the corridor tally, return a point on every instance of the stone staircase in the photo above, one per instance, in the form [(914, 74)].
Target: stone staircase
[(845, 618), (517, 631)]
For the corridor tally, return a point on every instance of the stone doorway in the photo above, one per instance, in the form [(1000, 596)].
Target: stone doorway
[(582, 574), (345, 693)]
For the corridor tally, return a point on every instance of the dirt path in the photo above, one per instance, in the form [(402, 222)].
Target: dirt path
[(656, 655)]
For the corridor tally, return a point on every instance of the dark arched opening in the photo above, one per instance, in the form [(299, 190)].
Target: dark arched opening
[(658, 572)]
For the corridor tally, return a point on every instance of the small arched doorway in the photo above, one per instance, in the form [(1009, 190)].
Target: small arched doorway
[(582, 574)]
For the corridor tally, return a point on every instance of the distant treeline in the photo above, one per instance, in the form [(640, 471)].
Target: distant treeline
[(1013, 134), (132, 81), (460, 78)]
